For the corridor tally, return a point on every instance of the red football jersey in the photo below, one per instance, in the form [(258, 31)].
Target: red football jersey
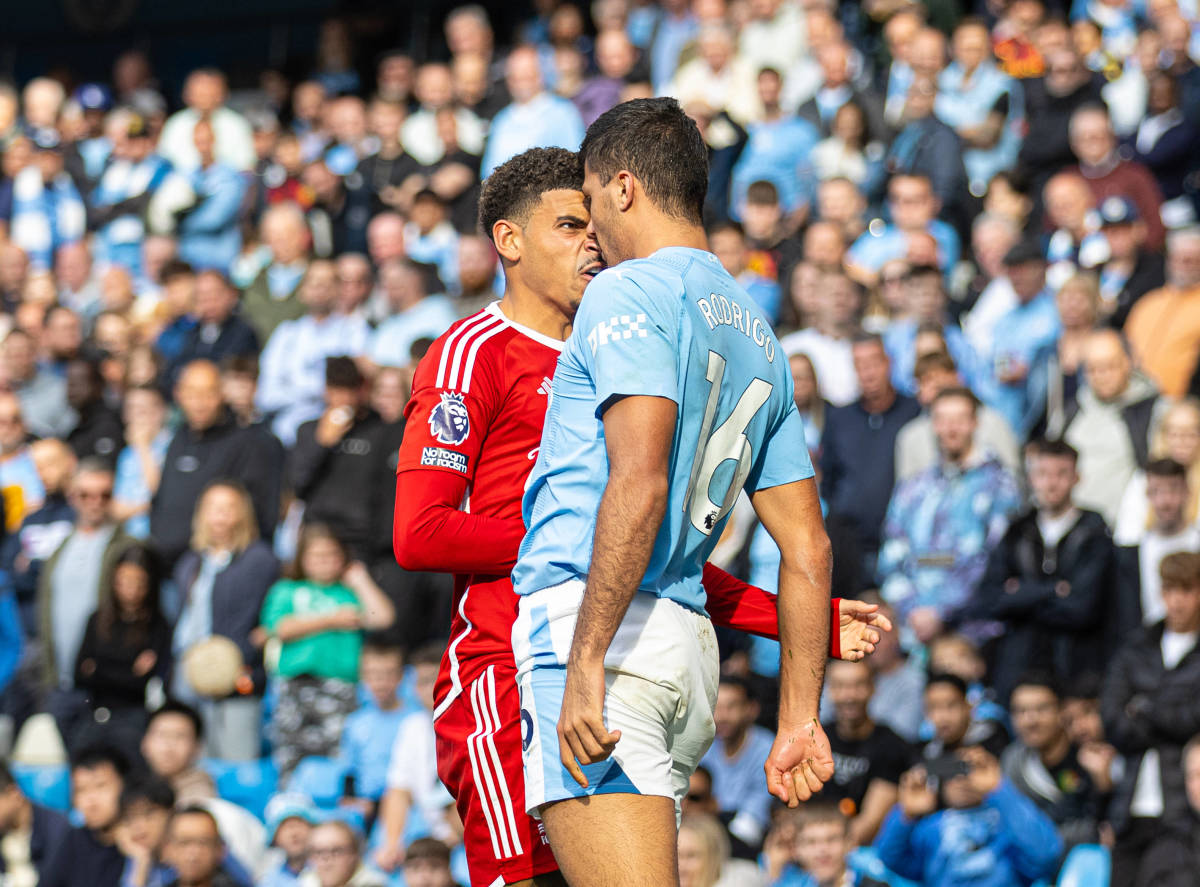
[(479, 402)]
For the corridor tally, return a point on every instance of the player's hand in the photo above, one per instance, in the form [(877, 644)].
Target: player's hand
[(800, 762), (582, 736), (859, 627)]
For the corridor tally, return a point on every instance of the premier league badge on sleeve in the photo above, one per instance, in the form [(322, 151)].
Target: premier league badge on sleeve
[(449, 421)]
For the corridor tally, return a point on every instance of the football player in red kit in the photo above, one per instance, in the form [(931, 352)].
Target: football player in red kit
[(473, 430)]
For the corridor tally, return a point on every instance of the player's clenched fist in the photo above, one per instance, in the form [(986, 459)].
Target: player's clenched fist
[(582, 736), (800, 762)]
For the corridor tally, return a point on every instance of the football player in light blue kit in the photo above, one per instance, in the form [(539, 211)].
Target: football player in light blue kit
[(670, 395)]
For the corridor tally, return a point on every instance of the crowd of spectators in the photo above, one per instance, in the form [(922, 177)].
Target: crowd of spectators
[(975, 227)]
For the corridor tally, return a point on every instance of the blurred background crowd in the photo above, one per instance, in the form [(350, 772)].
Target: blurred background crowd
[(975, 225)]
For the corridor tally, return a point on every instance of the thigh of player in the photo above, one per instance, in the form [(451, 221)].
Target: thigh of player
[(479, 760)]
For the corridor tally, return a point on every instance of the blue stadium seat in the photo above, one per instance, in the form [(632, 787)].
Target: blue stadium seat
[(249, 784), (321, 779), (45, 784), (1087, 865)]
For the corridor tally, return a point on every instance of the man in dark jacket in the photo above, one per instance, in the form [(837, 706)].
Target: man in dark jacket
[(87, 856), (34, 830), (208, 446), (1048, 581), (219, 332), (1043, 763), (346, 449), (1131, 270), (927, 146), (99, 432), (858, 465), (1151, 709)]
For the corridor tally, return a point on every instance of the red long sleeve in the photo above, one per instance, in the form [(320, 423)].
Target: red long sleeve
[(431, 533), (735, 604)]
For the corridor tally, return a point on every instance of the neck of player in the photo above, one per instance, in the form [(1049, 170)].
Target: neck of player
[(522, 305), (657, 230)]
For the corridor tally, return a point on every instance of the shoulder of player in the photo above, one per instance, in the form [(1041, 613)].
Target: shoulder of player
[(650, 282), (472, 348)]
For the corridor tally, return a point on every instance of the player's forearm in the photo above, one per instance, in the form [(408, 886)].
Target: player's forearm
[(627, 523), (804, 580)]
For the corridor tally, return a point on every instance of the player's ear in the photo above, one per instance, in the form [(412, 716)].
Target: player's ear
[(507, 238), (626, 184)]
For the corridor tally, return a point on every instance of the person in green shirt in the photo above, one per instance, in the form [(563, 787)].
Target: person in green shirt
[(319, 618)]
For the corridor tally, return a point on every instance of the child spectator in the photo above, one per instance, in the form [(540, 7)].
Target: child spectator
[(126, 644), (953, 721), (146, 804), (139, 464), (704, 856), (319, 617), (412, 779), (820, 845), (427, 864), (290, 823), (967, 827), (370, 732)]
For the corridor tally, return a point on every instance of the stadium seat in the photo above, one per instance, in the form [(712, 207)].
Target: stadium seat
[(45, 784), (249, 784), (322, 779), (1087, 865)]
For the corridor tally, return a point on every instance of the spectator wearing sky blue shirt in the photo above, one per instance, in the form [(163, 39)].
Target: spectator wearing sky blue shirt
[(370, 732), (670, 31), (913, 209), (980, 102), (535, 118), (47, 212), (925, 303), (736, 760), (209, 236), (1028, 326), (777, 151), (139, 464)]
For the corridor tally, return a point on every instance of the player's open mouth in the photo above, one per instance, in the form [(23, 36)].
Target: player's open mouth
[(592, 270)]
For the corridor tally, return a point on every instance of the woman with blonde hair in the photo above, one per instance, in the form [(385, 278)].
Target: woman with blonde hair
[(222, 582), (704, 856), (1177, 438)]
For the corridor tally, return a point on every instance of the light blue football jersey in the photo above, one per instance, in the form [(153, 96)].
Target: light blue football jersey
[(673, 325)]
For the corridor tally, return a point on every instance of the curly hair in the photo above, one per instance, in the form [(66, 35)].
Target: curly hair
[(515, 186)]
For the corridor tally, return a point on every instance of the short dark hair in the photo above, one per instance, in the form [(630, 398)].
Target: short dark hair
[(726, 225), (952, 680), (427, 848), (1180, 570), (917, 271), (1166, 468), (1055, 447), (195, 810), (148, 787), (762, 193), (90, 757), (176, 268), (1085, 685), (427, 654), (938, 361), (1040, 678), (175, 707), (959, 392), (515, 186), (342, 372), (660, 145), (241, 365), (734, 680), (380, 644)]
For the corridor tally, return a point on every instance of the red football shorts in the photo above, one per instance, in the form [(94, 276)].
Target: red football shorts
[(479, 759)]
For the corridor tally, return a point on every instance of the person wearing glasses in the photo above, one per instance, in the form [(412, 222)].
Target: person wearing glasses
[(78, 575), (335, 858)]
